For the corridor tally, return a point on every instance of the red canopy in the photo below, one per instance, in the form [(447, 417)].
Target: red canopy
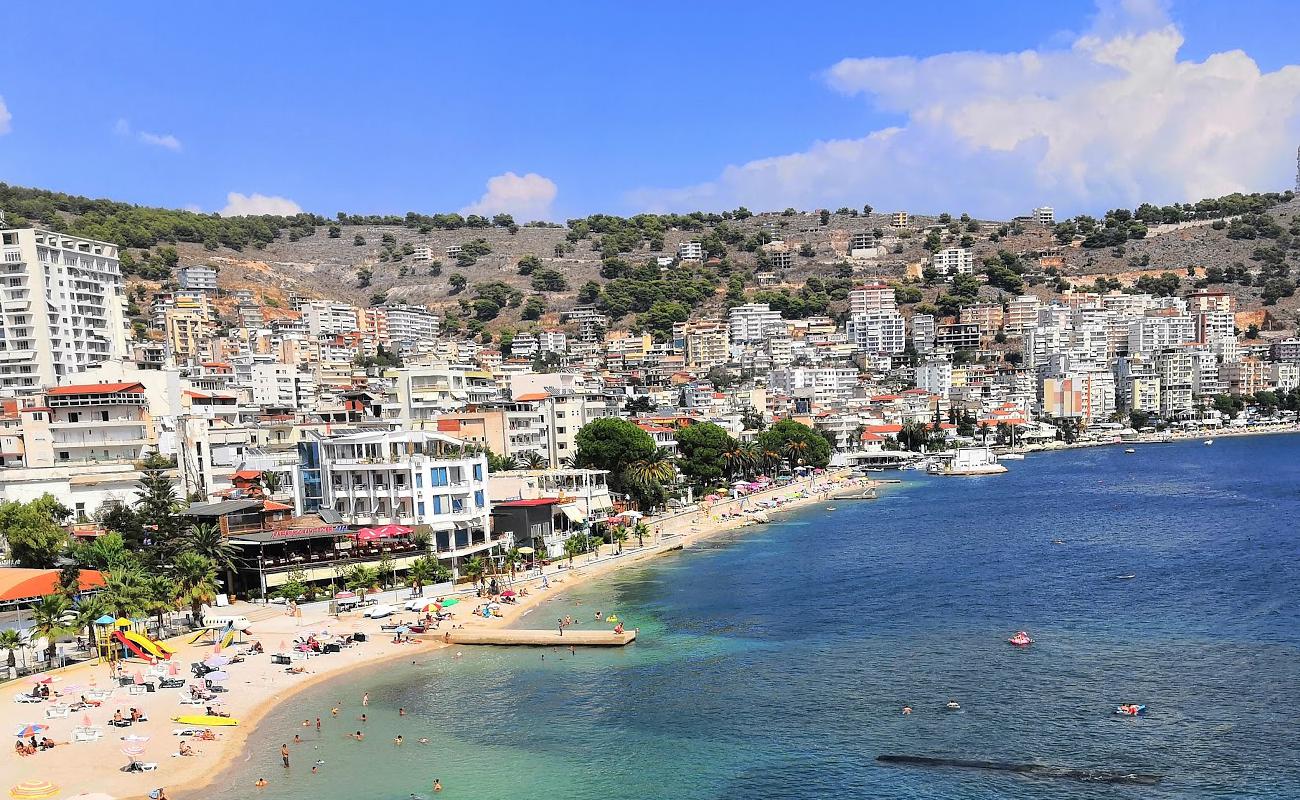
[(385, 532)]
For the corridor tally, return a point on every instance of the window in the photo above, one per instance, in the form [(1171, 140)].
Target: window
[(63, 455), (420, 508), (103, 416), (437, 504), (419, 484), (478, 472), (439, 475), (74, 416), (478, 498)]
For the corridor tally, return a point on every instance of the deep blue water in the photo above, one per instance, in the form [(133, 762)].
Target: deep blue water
[(774, 663)]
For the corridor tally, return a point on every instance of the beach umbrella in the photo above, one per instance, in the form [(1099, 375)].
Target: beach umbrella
[(528, 551), (135, 738), (85, 720), (216, 661), (508, 593), (139, 678), (31, 729), (132, 750), (33, 789), (393, 531), (344, 595), (450, 601), (173, 669), (217, 676), (46, 680), (401, 629), (429, 607)]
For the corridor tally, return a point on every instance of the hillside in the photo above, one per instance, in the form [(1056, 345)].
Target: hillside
[(360, 259)]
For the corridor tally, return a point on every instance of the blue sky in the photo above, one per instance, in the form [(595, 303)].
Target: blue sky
[(622, 107)]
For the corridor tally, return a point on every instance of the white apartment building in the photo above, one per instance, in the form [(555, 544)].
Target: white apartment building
[(750, 322), (553, 342), (197, 278), (935, 377), (409, 324), (61, 307), (1174, 368), (425, 391), (690, 251), (954, 261), (879, 331), (924, 331), (1218, 329), (422, 252), (1044, 215), (275, 384), (1205, 373), (828, 384), (872, 297), (1158, 330), (1022, 314), (323, 318), (414, 478)]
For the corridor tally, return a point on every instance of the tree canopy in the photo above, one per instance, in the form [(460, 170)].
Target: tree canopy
[(701, 450)]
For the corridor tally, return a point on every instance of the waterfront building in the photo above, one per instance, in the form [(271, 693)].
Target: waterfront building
[(61, 306)]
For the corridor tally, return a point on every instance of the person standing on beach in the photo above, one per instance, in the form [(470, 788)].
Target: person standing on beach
[(365, 699), (284, 755), (318, 724), (560, 623)]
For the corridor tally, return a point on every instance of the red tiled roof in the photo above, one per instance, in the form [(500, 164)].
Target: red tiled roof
[(532, 397), (884, 397), (448, 424), (94, 388), (248, 474), (884, 428), (868, 436), (271, 505)]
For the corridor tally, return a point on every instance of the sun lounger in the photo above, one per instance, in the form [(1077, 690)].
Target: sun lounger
[(99, 694), (56, 711), (28, 698), (86, 734)]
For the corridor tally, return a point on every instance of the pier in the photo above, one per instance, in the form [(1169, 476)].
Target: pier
[(538, 638)]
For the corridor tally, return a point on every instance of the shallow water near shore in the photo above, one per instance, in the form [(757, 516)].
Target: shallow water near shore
[(773, 662)]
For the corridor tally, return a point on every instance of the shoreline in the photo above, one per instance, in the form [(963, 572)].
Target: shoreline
[(268, 687)]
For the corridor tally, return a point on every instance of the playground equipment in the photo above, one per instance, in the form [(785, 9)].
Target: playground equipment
[(142, 646)]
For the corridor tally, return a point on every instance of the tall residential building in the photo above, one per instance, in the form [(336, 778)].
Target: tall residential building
[(923, 333), (872, 297), (880, 331), (1022, 313), (408, 324), (323, 318), (61, 307), (954, 261), (690, 251), (197, 278), (707, 345), (749, 322), (1045, 215)]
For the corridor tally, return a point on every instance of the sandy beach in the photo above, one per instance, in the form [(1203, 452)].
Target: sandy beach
[(255, 686)]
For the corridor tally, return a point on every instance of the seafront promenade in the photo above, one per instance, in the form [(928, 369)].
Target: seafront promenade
[(256, 684)]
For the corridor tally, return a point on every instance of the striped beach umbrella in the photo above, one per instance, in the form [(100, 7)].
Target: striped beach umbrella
[(31, 729), (33, 789), (132, 750)]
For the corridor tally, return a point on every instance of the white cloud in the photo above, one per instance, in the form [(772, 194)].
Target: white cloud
[(164, 140), (5, 117), (240, 205), (1114, 119), (526, 197)]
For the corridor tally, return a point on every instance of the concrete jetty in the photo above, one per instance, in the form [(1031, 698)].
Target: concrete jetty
[(538, 638)]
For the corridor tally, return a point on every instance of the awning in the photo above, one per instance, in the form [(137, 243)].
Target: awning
[(575, 515)]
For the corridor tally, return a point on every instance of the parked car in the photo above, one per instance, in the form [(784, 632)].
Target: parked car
[(380, 610)]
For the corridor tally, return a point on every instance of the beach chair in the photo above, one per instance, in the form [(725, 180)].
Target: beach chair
[(86, 733), (57, 711), (99, 694), (28, 698)]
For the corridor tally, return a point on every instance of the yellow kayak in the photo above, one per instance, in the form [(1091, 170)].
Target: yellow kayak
[(203, 721)]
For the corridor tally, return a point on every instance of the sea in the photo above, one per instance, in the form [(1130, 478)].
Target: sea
[(774, 662)]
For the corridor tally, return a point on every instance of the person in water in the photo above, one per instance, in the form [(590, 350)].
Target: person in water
[(260, 783), (437, 785), (907, 710)]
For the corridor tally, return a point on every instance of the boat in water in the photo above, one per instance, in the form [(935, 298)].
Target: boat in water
[(1129, 450), (1131, 710), (970, 461), (1020, 639), (1209, 442), (1011, 457)]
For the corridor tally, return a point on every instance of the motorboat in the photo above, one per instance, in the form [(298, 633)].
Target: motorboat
[(856, 493), (1020, 639), (1011, 457), (1129, 450), (1209, 442), (1131, 710)]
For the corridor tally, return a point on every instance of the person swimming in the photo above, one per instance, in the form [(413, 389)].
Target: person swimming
[(260, 783), (953, 705)]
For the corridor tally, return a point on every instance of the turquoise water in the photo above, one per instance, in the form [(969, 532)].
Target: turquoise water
[(774, 663)]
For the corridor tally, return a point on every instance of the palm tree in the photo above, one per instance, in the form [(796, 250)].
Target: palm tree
[(657, 467), (90, 609), (736, 459), (361, 578), (568, 462), (160, 598), (207, 540), (103, 552), (124, 591), (50, 618), (196, 582), (271, 482), (796, 450), (534, 460), (619, 535), (11, 641), (419, 573), (475, 568), (574, 545), (641, 531), (512, 559)]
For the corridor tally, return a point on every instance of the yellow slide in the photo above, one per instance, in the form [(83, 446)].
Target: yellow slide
[(155, 649), (230, 637), (195, 639)]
